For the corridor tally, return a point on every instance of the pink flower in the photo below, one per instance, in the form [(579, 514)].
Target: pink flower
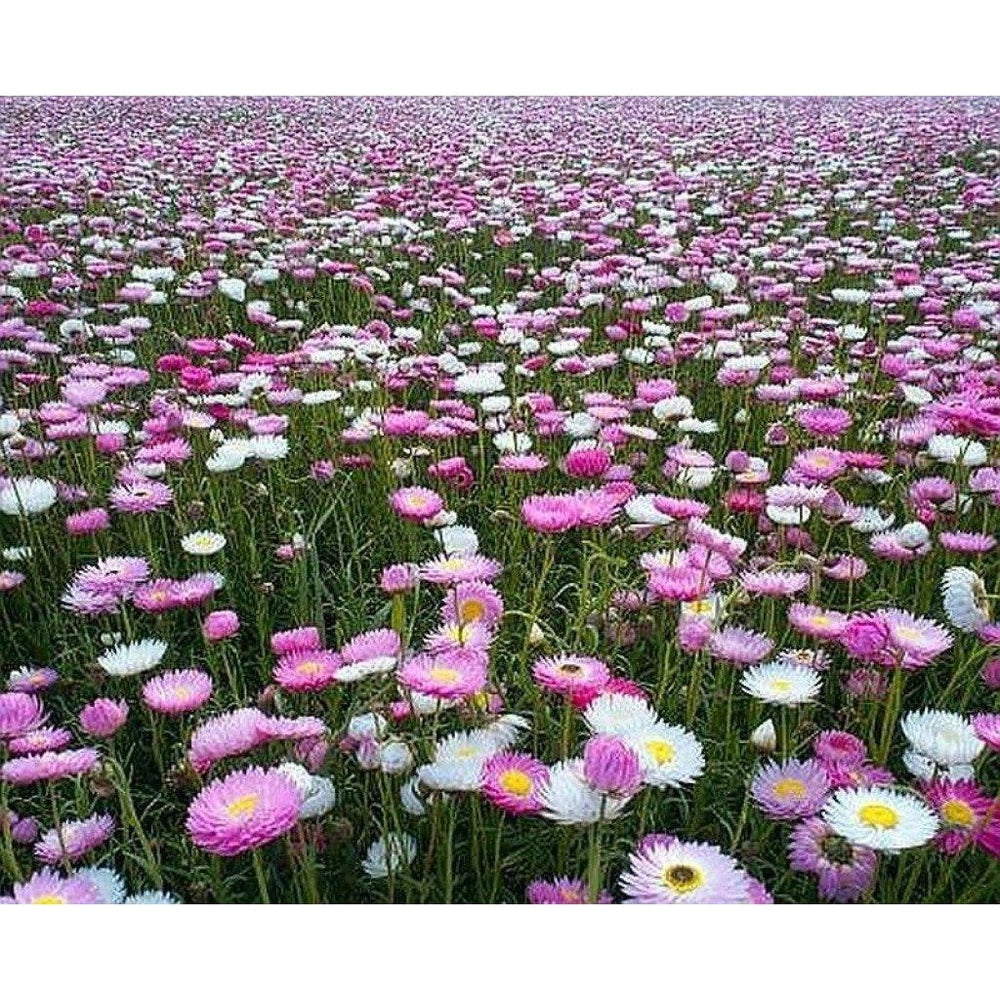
[(587, 463), (550, 514), (457, 673), (610, 766), (415, 503), (511, 782), (220, 625), (88, 522), (295, 640), (399, 579), (103, 717)]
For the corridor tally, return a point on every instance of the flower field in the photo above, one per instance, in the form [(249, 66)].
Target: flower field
[(499, 500)]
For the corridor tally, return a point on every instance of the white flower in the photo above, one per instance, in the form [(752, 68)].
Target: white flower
[(618, 714), (512, 442), (670, 755), (479, 383), (27, 495), (568, 800), (787, 515), (318, 793), (764, 738), (133, 657), (390, 853), (233, 288), (370, 725), (913, 535), (457, 539), (945, 737), (410, 798), (395, 757), (672, 408), (850, 296), (203, 543), (269, 447), (927, 770), (964, 596), (642, 510), (779, 683), (880, 818), (869, 520), (952, 450)]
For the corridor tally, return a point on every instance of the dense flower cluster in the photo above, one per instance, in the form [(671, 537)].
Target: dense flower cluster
[(570, 501)]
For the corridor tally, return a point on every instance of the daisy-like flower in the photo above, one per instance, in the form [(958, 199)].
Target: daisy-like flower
[(567, 798), (917, 640), (310, 670), (49, 766), (678, 872), (458, 762), (739, 645), (946, 738), (456, 673), (203, 543), (242, 811), (19, 714), (844, 871), (816, 622), (415, 503), (49, 888), (177, 691), (472, 603), (791, 790), (781, 683), (511, 782), (133, 658), (141, 496), (774, 584), (987, 727), (73, 840), (26, 496), (670, 756), (108, 883), (561, 891), (964, 810), (571, 675), (880, 818), (450, 570), (392, 853), (369, 653), (40, 740), (619, 714), (964, 596)]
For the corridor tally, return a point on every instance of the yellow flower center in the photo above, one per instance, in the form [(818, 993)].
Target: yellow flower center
[(308, 667), (880, 816), (699, 607), (683, 878), (820, 621), (516, 782), (781, 686), (445, 674), (243, 806), (661, 751), (790, 788), (453, 564), (471, 610), (49, 900), (958, 813)]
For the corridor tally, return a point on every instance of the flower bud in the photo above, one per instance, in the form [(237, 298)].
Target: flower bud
[(764, 739)]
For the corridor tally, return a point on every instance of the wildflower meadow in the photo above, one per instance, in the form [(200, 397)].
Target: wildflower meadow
[(499, 500)]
